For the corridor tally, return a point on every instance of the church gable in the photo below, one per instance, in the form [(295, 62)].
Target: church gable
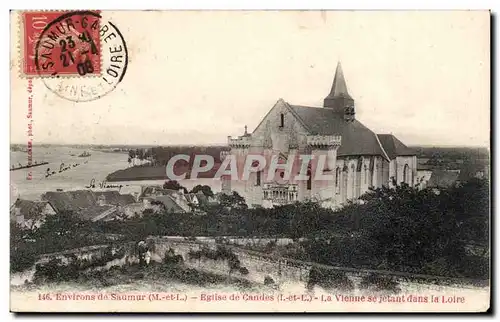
[(280, 128)]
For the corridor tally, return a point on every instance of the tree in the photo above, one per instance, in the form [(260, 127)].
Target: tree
[(141, 154), (61, 224), (62, 231), (401, 229), (174, 185), (421, 231), (131, 156), (18, 234), (471, 201), (232, 201), (206, 190), (22, 256), (148, 154)]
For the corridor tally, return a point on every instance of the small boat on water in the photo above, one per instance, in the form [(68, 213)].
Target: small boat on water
[(27, 166), (85, 154), (18, 149)]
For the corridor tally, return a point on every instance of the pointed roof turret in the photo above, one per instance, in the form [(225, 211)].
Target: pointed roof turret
[(339, 87), (339, 99), (246, 131)]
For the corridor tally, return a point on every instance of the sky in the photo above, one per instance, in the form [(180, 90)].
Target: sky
[(197, 77)]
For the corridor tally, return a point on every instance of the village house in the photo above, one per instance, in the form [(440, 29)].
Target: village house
[(424, 173), (30, 214), (159, 198), (357, 158), (163, 202), (441, 178), (93, 205)]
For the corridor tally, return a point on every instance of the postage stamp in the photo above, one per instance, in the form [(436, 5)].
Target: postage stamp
[(250, 161), (60, 43), (78, 55)]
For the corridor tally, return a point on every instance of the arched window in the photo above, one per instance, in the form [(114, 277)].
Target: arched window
[(407, 174), (345, 177), (258, 178), (353, 181), (337, 180), (309, 179), (366, 174)]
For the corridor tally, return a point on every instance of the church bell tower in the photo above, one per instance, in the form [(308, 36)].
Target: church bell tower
[(339, 98)]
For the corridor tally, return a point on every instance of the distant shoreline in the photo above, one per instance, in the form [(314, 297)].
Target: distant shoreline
[(118, 146), (144, 173), (135, 146), (138, 174)]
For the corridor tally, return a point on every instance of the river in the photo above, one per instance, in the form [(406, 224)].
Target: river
[(99, 165)]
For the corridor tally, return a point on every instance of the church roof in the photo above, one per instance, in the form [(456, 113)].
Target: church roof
[(393, 146), (332, 119), (339, 87), (357, 139)]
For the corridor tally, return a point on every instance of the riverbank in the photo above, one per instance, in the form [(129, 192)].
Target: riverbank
[(133, 178), (138, 173), (149, 171)]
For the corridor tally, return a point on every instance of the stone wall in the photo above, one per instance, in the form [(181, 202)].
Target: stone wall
[(259, 265)]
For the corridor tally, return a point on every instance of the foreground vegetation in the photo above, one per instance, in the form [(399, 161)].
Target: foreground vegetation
[(55, 272), (444, 233)]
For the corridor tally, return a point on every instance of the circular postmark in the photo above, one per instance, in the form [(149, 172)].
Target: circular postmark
[(81, 57)]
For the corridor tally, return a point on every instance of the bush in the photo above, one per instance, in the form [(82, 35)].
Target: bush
[(270, 246), (234, 263), (268, 280), (225, 253), (172, 258), (55, 270), (329, 279), (475, 267), (21, 260), (194, 254), (380, 283)]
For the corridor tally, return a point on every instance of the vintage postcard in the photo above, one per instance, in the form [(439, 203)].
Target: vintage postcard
[(250, 161)]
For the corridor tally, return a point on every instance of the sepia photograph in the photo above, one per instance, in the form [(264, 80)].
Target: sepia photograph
[(250, 161)]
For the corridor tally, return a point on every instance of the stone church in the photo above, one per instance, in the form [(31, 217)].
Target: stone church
[(357, 158)]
